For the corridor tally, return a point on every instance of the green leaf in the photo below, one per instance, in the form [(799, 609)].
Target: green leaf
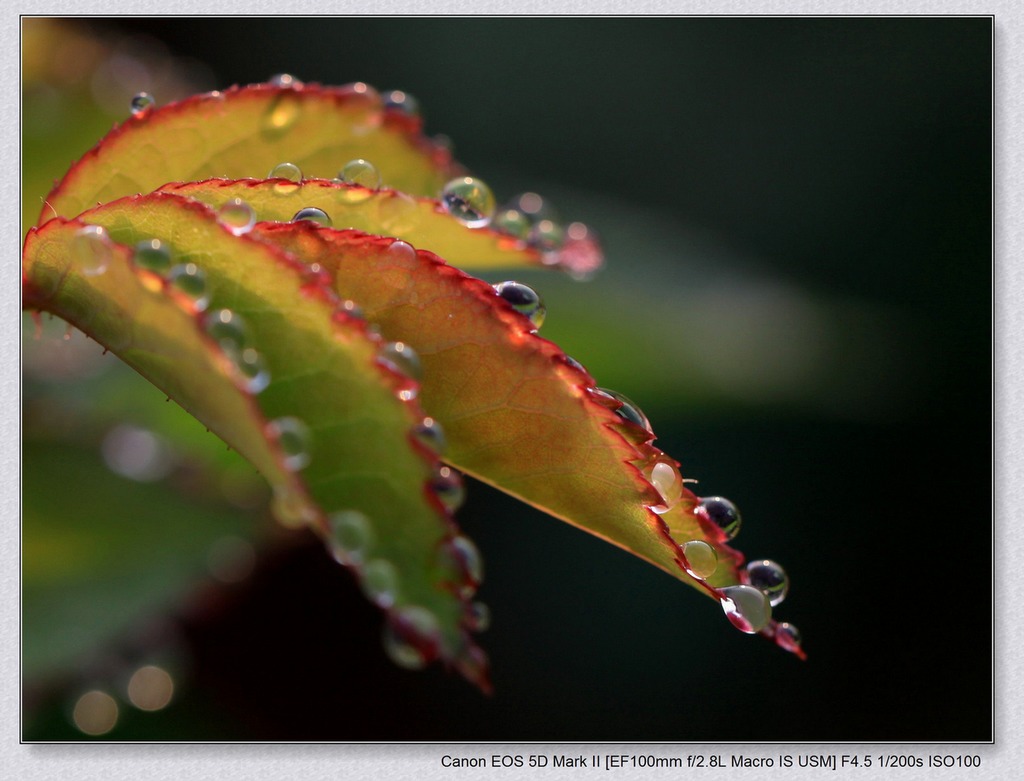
[(518, 414), (331, 431), (246, 132)]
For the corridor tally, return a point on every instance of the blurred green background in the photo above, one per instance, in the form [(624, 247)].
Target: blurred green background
[(796, 214)]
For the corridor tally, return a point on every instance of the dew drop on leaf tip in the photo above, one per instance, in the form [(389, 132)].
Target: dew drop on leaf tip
[(140, 103), (285, 80), (769, 578), (746, 607), (478, 617), (787, 637), (228, 329), (524, 299), (461, 553), (401, 358), (430, 434), (253, 370), (379, 581), (468, 200)]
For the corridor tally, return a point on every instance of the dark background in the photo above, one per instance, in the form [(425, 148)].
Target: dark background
[(848, 160)]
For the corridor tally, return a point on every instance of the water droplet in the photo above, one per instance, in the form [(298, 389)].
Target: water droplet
[(253, 368), (401, 358), (721, 512), (533, 206), (141, 102), (401, 101), (294, 439), (312, 214), (285, 80), (769, 577), (282, 113), (512, 222), (547, 235), (228, 329), (351, 536), (788, 637), (448, 487), (701, 559), (411, 637), (152, 255), (626, 409), (746, 607), (665, 477), (464, 557), (523, 299), (468, 200), (95, 713), (189, 279), (379, 581), (478, 617), (361, 173), (237, 216), (92, 250), (287, 171), (291, 507), (402, 251), (430, 434)]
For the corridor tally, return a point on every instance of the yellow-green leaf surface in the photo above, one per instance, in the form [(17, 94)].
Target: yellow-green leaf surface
[(247, 131), (354, 450), (422, 222), (517, 412)]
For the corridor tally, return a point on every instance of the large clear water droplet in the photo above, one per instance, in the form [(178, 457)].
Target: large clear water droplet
[(287, 171), (92, 250), (665, 477), (411, 637), (152, 255), (401, 358), (468, 200), (189, 279), (351, 536), (314, 215), (626, 409), (360, 173), (447, 486), (747, 608), (237, 216), (723, 513), (379, 581), (141, 103), (701, 559), (430, 434), (769, 577), (523, 299), (228, 329), (294, 439)]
